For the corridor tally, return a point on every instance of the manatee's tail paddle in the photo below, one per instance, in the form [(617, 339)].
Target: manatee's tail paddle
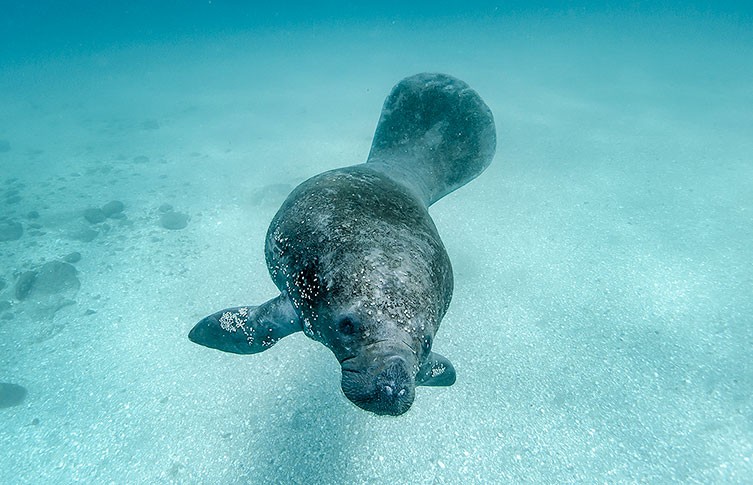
[(435, 135)]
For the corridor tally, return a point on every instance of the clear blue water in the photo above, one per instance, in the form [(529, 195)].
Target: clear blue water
[(602, 321)]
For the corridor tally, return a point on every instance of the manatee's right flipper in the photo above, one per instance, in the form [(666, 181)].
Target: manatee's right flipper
[(436, 371), (247, 329), (435, 134)]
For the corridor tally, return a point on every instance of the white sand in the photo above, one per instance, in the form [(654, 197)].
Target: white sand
[(602, 323)]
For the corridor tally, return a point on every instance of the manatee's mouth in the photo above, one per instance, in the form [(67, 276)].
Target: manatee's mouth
[(386, 389)]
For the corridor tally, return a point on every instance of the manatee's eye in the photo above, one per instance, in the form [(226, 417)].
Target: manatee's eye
[(347, 326)]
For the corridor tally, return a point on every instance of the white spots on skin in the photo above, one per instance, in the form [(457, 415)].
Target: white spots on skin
[(232, 321), (269, 341), (438, 370)]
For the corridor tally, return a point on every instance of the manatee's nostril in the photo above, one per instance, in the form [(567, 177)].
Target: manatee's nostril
[(392, 390), (387, 392)]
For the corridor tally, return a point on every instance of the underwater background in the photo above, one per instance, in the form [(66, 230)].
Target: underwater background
[(602, 320)]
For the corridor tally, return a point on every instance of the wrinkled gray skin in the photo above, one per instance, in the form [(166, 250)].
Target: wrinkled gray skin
[(356, 257)]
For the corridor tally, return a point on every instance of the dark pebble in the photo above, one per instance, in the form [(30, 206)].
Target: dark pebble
[(90, 312), (149, 125), (56, 276), (112, 208), (84, 234), (24, 284), (52, 277), (35, 422), (11, 394), (165, 208), (10, 231), (94, 216), (73, 257), (173, 220)]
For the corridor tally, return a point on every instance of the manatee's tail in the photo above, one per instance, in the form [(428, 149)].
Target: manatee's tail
[(435, 134)]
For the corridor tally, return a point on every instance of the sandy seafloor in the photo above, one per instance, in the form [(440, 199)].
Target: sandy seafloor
[(602, 321)]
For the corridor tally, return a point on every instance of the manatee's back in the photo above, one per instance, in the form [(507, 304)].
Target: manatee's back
[(353, 232), (435, 134)]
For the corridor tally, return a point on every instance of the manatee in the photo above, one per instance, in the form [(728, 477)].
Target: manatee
[(357, 258)]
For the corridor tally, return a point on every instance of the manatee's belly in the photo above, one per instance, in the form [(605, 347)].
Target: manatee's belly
[(354, 237)]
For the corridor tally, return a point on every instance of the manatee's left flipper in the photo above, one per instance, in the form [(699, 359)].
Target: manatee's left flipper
[(247, 329), (436, 371)]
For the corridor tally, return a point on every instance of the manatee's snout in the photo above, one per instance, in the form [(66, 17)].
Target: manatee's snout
[(394, 390), (387, 388)]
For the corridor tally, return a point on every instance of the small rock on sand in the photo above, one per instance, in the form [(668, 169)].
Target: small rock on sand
[(112, 208), (73, 257), (94, 216), (83, 234), (24, 284), (173, 220), (10, 230), (11, 394), (51, 278), (55, 277)]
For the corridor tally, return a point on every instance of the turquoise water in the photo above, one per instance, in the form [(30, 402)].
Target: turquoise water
[(602, 320)]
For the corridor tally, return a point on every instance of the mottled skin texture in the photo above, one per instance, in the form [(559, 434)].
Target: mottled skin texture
[(356, 257), (370, 245), (366, 271)]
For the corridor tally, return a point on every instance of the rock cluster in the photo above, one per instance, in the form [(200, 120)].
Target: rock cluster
[(112, 210)]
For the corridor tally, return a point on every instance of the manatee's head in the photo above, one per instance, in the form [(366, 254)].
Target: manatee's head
[(381, 380), (379, 362)]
